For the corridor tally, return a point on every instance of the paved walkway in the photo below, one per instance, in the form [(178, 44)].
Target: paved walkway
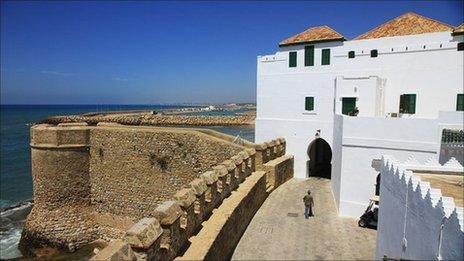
[(279, 230)]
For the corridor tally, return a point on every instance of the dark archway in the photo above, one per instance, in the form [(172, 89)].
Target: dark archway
[(377, 185), (320, 158)]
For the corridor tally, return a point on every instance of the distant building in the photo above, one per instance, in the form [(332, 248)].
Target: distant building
[(405, 77)]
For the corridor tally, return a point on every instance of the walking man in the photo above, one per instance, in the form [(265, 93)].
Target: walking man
[(309, 203)]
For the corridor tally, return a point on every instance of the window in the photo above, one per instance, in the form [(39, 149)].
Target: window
[(460, 102), (325, 57), (351, 54), (461, 46), (374, 53), (408, 103), (309, 55), (309, 103), (348, 105), (292, 59)]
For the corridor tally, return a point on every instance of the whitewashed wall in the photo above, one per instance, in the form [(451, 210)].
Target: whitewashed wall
[(415, 221), (298, 135), (362, 139), (337, 157), (368, 91), (434, 74)]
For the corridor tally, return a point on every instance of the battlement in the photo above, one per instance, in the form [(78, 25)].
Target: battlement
[(207, 218), (146, 187), (417, 220)]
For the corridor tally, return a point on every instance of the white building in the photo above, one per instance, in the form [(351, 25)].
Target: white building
[(405, 77)]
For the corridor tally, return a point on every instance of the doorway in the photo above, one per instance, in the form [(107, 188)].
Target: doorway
[(348, 105), (320, 158), (377, 185)]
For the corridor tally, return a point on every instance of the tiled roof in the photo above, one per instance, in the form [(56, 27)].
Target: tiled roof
[(406, 24), (314, 34), (459, 29)]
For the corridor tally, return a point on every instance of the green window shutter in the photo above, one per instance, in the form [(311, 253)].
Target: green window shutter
[(325, 57), (351, 54), (460, 102), (461, 46), (402, 104), (309, 55), (348, 105), (412, 103), (309, 103), (408, 103), (292, 59)]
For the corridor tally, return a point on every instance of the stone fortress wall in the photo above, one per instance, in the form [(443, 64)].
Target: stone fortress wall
[(416, 220), (120, 182), (155, 119)]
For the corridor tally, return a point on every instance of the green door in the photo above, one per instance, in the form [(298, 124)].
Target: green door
[(348, 105)]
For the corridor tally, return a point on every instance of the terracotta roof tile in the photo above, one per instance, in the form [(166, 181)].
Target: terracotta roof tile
[(459, 29), (406, 24), (314, 34)]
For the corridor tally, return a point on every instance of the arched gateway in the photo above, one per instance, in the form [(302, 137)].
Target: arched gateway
[(320, 157)]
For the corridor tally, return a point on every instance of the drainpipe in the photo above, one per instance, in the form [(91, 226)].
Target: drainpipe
[(440, 237), (405, 241)]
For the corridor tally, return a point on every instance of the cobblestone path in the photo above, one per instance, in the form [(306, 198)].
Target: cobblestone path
[(279, 230)]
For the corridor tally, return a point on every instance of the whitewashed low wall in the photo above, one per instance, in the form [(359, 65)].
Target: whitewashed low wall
[(363, 139), (415, 221)]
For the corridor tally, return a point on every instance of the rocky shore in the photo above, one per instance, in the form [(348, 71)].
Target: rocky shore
[(155, 120)]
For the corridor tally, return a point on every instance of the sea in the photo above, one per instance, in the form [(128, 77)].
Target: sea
[(15, 160)]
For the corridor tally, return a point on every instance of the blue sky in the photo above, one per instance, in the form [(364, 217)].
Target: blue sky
[(85, 52)]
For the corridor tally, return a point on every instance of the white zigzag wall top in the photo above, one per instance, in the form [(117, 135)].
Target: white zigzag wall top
[(415, 220)]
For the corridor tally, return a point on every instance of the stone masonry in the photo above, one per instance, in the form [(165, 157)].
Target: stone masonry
[(95, 182), (143, 190)]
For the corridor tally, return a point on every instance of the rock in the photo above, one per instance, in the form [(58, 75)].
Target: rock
[(71, 247)]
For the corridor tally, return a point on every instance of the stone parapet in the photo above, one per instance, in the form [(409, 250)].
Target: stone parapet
[(235, 187), (223, 186), (144, 237), (116, 250), (231, 176), (186, 199), (169, 213), (199, 187), (82, 166), (279, 170), (267, 151), (213, 197), (65, 135), (154, 120), (221, 233)]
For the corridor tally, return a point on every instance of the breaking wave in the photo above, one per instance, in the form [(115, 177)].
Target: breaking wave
[(12, 220)]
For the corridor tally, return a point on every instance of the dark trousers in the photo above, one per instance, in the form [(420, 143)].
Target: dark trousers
[(308, 211)]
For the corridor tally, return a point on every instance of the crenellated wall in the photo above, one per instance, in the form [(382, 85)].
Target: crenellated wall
[(149, 187), (95, 181), (416, 222), (188, 227)]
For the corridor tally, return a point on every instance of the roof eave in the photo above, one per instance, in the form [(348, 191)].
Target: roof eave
[(313, 42), (457, 33)]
